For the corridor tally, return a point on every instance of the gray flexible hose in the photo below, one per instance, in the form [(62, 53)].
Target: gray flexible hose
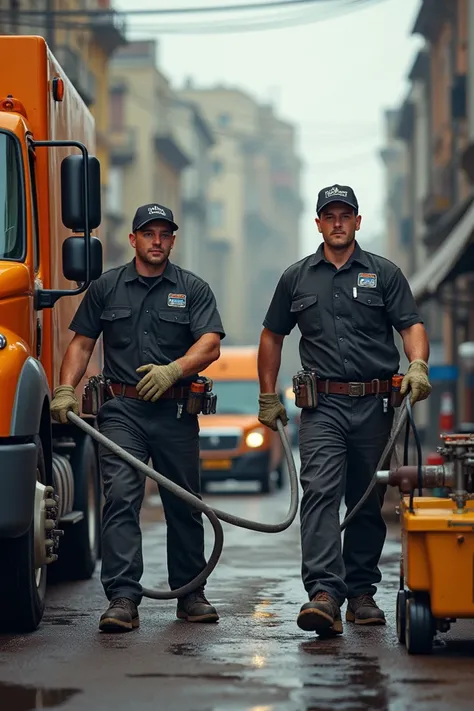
[(215, 514), (212, 514)]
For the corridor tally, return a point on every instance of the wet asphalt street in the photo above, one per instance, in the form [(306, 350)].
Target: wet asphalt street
[(254, 659)]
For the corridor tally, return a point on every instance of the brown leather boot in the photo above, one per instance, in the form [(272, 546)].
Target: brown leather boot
[(322, 615), (363, 610), (195, 607), (121, 616)]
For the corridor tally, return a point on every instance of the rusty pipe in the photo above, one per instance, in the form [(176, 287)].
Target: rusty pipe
[(406, 477)]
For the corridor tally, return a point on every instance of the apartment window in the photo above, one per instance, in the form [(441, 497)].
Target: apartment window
[(223, 120), (217, 167), (216, 214), (117, 110)]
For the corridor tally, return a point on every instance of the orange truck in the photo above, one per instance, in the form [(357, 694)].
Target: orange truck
[(49, 188), (233, 443)]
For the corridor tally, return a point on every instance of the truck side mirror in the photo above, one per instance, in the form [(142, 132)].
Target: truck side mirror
[(72, 193), (74, 258)]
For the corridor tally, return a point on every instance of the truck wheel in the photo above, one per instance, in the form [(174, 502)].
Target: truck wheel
[(401, 615), (23, 587), (79, 550)]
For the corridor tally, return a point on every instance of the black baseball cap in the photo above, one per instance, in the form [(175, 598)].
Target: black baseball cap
[(153, 211), (337, 193)]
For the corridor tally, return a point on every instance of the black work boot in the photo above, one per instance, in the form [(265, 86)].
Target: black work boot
[(322, 615), (363, 610), (121, 616), (196, 608)]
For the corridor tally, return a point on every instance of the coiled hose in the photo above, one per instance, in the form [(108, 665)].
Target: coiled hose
[(215, 516)]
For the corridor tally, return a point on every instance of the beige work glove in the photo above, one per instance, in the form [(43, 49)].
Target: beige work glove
[(64, 401), (270, 409), (416, 380), (158, 378)]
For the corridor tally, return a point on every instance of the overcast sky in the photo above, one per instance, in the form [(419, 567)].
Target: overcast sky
[(332, 78)]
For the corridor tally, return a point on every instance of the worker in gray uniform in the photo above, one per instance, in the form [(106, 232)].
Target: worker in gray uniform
[(160, 327), (346, 302)]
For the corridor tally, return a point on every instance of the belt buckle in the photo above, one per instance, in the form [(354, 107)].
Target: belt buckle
[(356, 389)]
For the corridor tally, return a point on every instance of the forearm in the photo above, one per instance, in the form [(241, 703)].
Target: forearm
[(200, 356), (415, 343), (76, 360), (269, 360)]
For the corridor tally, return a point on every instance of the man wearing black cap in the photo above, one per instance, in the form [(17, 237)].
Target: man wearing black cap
[(160, 328), (346, 302)]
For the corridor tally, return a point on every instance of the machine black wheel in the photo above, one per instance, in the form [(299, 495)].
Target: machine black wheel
[(79, 549), (401, 615), (419, 628), (23, 588)]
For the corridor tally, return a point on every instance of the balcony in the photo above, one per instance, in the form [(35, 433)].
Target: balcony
[(440, 198), (169, 150), (109, 30), (78, 73), (123, 145)]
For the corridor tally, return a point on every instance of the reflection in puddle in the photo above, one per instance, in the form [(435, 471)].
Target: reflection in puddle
[(27, 698)]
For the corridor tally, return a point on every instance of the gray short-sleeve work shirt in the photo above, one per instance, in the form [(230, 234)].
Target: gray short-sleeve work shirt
[(146, 321), (346, 316)]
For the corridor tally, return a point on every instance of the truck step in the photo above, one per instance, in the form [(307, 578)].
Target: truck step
[(72, 517)]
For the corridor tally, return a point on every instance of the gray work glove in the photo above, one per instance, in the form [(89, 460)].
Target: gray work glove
[(270, 409), (416, 380), (64, 401), (158, 378)]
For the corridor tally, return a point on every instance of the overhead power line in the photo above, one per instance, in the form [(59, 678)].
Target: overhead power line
[(242, 7), (290, 13)]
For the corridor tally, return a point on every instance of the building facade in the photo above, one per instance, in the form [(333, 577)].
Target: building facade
[(436, 126), (147, 156), (254, 207)]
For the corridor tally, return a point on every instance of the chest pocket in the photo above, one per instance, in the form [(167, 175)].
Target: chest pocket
[(368, 312), (173, 327), (306, 310), (117, 326)]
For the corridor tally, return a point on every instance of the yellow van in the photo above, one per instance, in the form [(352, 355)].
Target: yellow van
[(233, 443)]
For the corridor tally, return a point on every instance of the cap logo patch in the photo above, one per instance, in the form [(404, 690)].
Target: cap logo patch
[(156, 210), (335, 191), (367, 280), (177, 300)]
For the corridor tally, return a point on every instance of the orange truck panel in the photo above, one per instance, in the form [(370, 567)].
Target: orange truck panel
[(31, 70)]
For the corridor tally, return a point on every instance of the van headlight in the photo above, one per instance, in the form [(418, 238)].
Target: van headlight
[(254, 439)]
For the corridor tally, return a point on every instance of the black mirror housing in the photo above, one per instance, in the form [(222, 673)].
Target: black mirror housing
[(74, 258), (72, 193)]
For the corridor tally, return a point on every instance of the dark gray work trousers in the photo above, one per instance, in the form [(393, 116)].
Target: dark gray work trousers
[(343, 436), (148, 430)]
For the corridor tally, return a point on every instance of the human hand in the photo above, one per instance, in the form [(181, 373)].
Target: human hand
[(158, 378), (64, 401), (270, 409), (416, 380)]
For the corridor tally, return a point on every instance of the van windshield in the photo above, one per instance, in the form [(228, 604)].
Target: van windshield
[(237, 397), (11, 202)]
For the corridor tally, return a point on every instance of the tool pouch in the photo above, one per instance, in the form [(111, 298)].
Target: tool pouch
[(305, 389), (396, 398), (96, 392), (201, 399)]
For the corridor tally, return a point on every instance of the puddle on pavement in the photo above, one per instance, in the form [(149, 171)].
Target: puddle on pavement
[(27, 698), (350, 681)]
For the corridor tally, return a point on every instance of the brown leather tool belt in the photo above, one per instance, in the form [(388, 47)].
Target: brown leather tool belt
[(174, 393), (373, 387)]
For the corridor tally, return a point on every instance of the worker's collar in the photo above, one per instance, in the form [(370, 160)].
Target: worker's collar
[(358, 255), (131, 272)]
